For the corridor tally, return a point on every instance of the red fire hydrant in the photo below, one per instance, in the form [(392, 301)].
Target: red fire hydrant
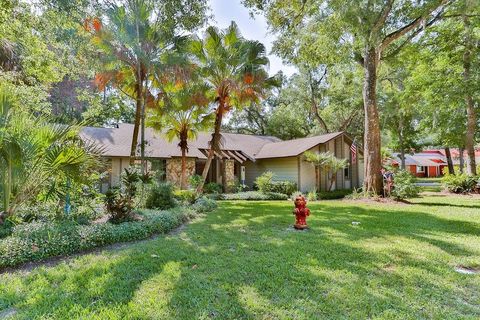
[(301, 213)]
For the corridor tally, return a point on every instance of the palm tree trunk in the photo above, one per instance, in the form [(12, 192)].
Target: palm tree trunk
[(136, 126), (7, 187), (333, 179), (317, 178), (372, 143), (183, 178), (213, 143)]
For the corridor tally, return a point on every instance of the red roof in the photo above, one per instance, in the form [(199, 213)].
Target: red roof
[(454, 152)]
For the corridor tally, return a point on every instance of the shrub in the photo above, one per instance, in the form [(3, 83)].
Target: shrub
[(39, 240), (296, 194), (404, 185), (204, 204), (255, 195), (118, 205), (236, 186), (459, 183), (265, 184), (335, 194), (312, 195), (119, 201), (195, 181), (215, 196), (160, 197), (212, 187), (186, 196), (285, 187)]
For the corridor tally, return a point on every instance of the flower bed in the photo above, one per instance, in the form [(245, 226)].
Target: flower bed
[(39, 240)]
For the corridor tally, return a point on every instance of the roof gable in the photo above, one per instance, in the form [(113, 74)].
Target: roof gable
[(292, 148)]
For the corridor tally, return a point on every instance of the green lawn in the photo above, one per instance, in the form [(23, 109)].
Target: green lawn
[(432, 180), (244, 262)]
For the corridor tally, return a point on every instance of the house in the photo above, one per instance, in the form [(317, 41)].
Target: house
[(242, 158), (428, 163), (455, 153)]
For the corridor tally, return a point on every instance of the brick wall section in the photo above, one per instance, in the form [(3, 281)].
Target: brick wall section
[(229, 174), (174, 170)]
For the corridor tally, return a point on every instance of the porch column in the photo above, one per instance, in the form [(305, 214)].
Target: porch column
[(229, 174)]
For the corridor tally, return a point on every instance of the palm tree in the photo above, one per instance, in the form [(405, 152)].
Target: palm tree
[(328, 162), (333, 165), (34, 152), (137, 41), (234, 69), (318, 160), (184, 125)]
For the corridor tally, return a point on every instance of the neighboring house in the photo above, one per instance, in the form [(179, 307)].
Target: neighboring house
[(455, 153), (243, 157), (428, 163)]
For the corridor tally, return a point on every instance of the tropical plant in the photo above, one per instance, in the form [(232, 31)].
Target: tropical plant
[(138, 38), (328, 162), (182, 114), (234, 70), (37, 155), (119, 201), (459, 183), (318, 160)]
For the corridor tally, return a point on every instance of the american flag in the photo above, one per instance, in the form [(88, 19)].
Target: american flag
[(353, 148)]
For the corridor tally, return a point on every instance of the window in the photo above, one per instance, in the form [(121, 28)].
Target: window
[(346, 172), (159, 166), (420, 169)]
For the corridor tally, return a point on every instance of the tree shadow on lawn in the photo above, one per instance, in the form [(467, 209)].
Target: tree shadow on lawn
[(433, 204), (243, 261)]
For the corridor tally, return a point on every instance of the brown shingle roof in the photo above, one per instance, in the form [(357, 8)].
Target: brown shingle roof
[(291, 148), (116, 142)]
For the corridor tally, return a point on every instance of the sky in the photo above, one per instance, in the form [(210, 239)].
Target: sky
[(224, 11)]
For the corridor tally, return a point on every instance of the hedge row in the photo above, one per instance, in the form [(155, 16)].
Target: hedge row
[(39, 240), (254, 195), (335, 194)]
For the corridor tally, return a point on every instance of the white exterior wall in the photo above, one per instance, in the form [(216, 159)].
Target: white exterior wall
[(283, 168), (118, 166), (307, 174), (252, 171)]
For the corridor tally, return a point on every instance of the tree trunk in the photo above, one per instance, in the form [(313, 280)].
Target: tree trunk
[(7, 189), (402, 147), (136, 126), (372, 143), (213, 143), (461, 159), (142, 135), (448, 155), (317, 177), (333, 179), (183, 177), (471, 114)]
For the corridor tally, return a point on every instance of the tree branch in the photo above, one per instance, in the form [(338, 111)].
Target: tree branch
[(409, 27), (412, 35), (382, 18)]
